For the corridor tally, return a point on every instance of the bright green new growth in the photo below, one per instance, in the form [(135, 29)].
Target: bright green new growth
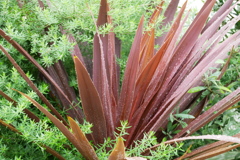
[(26, 24), (162, 152)]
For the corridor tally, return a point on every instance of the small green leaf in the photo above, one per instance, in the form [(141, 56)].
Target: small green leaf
[(183, 124), (164, 139), (186, 111), (220, 61), (196, 89), (171, 118), (169, 126), (177, 131), (182, 115), (224, 88)]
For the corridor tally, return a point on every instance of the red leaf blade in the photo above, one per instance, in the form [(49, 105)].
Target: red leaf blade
[(91, 103)]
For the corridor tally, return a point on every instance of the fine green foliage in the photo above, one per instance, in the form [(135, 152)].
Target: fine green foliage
[(162, 152), (28, 29), (23, 149)]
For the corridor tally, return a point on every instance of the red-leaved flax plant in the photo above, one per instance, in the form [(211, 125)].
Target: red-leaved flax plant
[(155, 83)]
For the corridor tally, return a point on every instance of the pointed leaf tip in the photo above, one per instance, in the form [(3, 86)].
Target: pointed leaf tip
[(86, 149), (118, 152), (196, 89)]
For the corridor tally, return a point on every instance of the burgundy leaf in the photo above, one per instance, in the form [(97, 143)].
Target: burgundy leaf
[(182, 51), (219, 13), (148, 50), (60, 76), (195, 79), (169, 14), (215, 147), (152, 77), (141, 85), (128, 84), (147, 42), (86, 148), (187, 42), (190, 63), (101, 69), (114, 73), (91, 103)]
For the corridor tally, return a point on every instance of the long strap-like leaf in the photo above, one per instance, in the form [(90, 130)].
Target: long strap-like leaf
[(102, 68), (130, 75), (169, 14), (91, 103)]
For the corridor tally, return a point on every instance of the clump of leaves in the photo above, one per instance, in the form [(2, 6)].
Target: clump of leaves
[(155, 83)]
